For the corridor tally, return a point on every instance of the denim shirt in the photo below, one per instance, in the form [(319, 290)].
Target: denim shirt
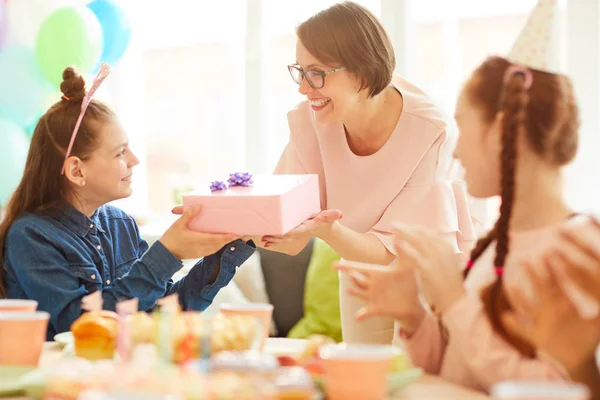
[(58, 258)]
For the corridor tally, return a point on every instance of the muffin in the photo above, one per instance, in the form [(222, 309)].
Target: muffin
[(95, 335)]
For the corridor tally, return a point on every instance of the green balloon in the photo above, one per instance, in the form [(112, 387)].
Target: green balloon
[(69, 36), (14, 146)]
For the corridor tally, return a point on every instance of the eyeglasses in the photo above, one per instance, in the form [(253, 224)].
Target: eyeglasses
[(316, 79)]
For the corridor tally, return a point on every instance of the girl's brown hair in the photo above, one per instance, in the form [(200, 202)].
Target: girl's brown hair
[(547, 116), (42, 186), (347, 34)]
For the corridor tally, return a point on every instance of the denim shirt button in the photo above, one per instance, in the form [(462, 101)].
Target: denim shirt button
[(99, 247), (232, 248), (93, 276)]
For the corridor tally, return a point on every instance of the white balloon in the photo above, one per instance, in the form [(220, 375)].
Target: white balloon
[(25, 17)]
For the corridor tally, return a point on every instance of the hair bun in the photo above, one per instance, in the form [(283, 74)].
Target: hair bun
[(73, 84)]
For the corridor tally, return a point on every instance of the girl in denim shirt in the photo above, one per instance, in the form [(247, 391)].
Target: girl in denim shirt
[(60, 241)]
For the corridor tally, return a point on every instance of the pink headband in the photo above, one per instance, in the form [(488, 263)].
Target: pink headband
[(102, 74), (519, 69)]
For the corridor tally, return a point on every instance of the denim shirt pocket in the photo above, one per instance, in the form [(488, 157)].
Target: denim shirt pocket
[(123, 267), (88, 276)]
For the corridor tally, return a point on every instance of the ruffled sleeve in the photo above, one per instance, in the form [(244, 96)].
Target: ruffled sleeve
[(441, 206)]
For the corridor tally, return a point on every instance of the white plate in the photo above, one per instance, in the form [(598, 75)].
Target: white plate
[(285, 346), (65, 338)]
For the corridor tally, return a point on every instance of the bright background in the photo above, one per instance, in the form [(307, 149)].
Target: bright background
[(203, 88)]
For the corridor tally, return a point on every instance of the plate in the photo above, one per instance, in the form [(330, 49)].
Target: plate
[(400, 380), (10, 380), (64, 338), (285, 346)]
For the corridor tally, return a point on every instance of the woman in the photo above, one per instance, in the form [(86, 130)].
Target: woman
[(382, 150)]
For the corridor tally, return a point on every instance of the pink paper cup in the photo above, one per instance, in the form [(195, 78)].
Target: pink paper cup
[(19, 305), (22, 337), (261, 311), (356, 371)]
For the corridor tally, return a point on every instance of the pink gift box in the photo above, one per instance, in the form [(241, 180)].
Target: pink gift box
[(273, 205)]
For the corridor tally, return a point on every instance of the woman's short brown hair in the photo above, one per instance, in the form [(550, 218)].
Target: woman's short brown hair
[(349, 35)]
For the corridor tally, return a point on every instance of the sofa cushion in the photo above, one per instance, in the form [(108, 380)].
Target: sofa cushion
[(321, 296), (284, 279)]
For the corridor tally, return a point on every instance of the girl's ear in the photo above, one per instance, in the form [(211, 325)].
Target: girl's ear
[(74, 171)]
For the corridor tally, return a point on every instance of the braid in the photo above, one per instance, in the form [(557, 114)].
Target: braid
[(538, 108), (482, 244), (514, 105)]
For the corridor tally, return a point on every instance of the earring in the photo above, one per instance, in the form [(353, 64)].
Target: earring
[(82, 183)]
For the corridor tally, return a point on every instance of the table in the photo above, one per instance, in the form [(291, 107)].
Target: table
[(434, 388), (426, 388)]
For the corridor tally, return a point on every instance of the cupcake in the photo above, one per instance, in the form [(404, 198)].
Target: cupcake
[(95, 335)]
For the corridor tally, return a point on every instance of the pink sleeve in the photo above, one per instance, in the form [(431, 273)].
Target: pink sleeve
[(289, 162), (426, 346), (302, 153), (489, 358), (441, 206), (431, 198)]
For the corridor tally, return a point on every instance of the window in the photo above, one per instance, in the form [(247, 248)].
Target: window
[(204, 91)]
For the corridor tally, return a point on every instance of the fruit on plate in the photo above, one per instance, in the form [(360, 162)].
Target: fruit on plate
[(315, 367), (309, 359), (314, 344), (287, 361)]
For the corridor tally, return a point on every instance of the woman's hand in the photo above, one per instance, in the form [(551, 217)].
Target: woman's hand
[(319, 226)]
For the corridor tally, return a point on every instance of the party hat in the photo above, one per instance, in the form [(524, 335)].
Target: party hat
[(536, 46)]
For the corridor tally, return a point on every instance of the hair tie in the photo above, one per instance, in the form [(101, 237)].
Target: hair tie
[(519, 69), (66, 98), (498, 270)]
